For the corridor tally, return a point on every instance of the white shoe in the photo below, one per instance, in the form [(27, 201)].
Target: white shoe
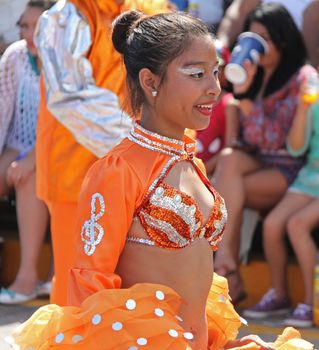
[(44, 289), (10, 297)]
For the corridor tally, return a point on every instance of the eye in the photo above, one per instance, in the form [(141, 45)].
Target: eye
[(197, 75), (216, 72)]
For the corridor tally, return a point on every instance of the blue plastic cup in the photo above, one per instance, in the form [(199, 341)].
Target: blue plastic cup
[(249, 46)]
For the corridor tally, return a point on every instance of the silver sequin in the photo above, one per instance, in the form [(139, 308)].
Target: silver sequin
[(92, 232)]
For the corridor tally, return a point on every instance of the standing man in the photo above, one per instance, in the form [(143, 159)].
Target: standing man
[(80, 117)]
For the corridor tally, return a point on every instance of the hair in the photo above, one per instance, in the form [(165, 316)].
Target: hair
[(42, 4), (286, 38), (152, 42)]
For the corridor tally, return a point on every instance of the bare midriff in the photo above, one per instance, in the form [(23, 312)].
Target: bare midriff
[(189, 271)]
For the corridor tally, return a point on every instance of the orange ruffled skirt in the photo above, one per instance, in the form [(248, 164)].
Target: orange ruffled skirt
[(144, 316)]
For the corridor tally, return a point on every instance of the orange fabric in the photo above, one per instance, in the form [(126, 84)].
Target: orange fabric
[(63, 220), (61, 161), (127, 166), (121, 318)]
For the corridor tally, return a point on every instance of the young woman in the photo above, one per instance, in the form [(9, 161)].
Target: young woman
[(148, 217), (19, 101), (259, 175)]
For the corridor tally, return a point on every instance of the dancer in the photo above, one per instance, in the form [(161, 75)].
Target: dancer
[(148, 218)]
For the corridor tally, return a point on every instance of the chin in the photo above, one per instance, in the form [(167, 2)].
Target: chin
[(201, 125)]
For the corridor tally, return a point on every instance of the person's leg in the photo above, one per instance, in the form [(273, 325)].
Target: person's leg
[(6, 158), (231, 169), (260, 189), (299, 229), (63, 220), (32, 216), (274, 229)]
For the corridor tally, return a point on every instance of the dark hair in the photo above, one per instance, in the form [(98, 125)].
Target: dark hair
[(42, 4), (152, 42), (287, 39)]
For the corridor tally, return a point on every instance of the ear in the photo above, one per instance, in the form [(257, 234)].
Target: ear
[(149, 82)]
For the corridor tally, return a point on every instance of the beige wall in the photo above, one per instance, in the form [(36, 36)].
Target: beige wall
[(10, 11)]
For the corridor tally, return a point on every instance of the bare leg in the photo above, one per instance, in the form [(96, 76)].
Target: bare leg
[(32, 217), (229, 181), (274, 229), (299, 231), (6, 158)]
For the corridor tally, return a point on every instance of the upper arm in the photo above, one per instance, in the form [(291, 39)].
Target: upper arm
[(310, 31), (105, 211), (233, 21)]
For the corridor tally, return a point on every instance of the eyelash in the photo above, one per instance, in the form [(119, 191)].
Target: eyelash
[(199, 75)]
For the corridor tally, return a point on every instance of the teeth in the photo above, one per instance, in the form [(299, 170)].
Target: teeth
[(205, 106)]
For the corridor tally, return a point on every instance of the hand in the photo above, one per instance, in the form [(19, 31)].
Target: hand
[(304, 103), (251, 69), (19, 171), (246, 106)]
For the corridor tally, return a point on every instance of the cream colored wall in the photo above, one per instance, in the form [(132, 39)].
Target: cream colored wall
[(10, 11)]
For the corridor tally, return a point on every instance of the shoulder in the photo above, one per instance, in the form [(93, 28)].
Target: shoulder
[(62, 14), (118, 164), (15, 50)]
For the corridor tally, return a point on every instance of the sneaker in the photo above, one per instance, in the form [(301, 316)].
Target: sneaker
[(10, 297), (302, 316), (268, 306)]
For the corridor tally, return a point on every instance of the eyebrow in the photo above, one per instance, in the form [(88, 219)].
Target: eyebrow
[(198, 63)]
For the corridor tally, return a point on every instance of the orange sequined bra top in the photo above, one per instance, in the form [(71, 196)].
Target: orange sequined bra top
[(170, 217)]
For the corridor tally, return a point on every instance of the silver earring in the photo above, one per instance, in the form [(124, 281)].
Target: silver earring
[(154, 93)]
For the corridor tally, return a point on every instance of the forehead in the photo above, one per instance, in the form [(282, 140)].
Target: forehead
[(201, 49), (258, 28), (31, 14)]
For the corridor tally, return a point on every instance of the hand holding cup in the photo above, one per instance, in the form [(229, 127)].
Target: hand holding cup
[(245, 55)]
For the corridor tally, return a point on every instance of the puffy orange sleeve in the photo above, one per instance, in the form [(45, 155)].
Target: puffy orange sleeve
[(106, 208)]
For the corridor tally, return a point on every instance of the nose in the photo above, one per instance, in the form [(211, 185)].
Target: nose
[(214, 88)]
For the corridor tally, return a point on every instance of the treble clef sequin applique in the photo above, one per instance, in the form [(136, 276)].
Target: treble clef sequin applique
[(92, 232)]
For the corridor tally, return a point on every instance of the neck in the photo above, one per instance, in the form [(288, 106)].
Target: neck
[(159, 126)]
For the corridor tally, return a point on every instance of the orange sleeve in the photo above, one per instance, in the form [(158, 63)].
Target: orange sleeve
[(106, 208)]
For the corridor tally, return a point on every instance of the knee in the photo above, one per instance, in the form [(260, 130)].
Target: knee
[(295, 225), (273, 228), (228, 160)]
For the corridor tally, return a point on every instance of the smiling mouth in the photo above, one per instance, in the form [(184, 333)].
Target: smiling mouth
[(205, 109)]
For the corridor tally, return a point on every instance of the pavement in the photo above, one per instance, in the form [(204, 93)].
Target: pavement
[(12, 316)]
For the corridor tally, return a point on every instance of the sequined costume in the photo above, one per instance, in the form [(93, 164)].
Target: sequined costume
[(128, 184)]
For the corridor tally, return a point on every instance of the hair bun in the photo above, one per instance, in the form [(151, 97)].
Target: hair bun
[(121, 27)]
